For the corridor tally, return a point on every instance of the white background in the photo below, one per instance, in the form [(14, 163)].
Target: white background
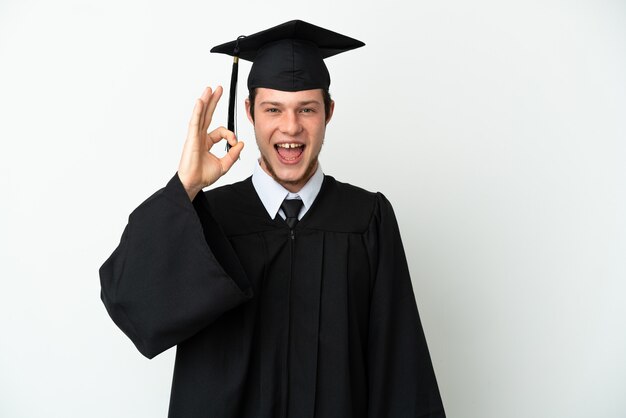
[(495, 128)]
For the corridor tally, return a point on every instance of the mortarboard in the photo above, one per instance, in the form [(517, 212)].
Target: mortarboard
[(288, 57)]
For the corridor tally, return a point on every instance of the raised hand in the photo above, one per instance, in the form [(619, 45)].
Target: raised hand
[(199, 168)]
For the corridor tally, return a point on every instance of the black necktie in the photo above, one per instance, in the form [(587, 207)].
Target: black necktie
[(291, 208)]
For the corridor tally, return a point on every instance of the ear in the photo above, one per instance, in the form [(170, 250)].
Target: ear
[(331, 109), (248, 111)]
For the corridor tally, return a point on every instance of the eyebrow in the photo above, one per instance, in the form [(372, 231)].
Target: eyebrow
[(302, 103)]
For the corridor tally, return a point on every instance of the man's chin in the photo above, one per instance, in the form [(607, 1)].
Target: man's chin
[(290, 177)]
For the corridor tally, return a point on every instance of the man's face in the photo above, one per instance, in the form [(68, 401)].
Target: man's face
[(289, 129)]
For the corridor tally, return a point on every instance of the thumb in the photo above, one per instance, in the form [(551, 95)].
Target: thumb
[(231, 156)]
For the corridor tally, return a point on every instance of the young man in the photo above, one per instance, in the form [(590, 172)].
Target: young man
[(287, 294)]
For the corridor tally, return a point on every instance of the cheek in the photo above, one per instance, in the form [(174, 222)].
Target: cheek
[(264, 128), (320, 133), (261, 132)]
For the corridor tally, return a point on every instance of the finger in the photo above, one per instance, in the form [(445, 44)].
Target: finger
[(231, 156), (232, 141), (194, 122), (212, 104), (220, 133), (206, 95)]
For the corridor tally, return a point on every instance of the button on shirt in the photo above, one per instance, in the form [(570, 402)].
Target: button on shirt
[(272, 194)]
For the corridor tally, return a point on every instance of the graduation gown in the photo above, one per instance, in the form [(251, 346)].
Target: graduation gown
[(318, 321)]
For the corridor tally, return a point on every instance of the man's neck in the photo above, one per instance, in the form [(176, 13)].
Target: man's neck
[(273, 193)]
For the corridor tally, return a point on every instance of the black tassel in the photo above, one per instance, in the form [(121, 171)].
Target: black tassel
[(232, 96)]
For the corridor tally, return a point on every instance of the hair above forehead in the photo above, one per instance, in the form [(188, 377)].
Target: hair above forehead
[(325, 96)]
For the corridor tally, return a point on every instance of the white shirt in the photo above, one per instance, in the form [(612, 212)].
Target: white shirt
[(272, 194)]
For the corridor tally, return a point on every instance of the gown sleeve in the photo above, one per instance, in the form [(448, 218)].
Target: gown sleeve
[(401, 379), (173, 272)]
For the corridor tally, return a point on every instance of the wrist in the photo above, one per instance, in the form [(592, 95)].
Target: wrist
[(192, 193), (192, 190)]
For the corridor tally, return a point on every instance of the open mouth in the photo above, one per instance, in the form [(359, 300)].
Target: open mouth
[(289, 152)]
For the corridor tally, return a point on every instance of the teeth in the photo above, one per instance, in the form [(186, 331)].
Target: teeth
[(289, 145)]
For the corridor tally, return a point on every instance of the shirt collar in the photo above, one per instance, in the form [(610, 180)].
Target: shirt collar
[(272, 194)]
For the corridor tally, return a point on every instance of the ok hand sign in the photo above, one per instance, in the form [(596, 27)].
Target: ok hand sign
[(199, 168)]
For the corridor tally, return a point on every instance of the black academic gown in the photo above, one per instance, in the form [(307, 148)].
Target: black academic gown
[(320, 321)]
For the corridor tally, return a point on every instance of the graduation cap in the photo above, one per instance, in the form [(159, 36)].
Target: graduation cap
[(287, 57)]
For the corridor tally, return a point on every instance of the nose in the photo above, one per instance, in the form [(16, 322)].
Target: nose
[(290, 124)]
